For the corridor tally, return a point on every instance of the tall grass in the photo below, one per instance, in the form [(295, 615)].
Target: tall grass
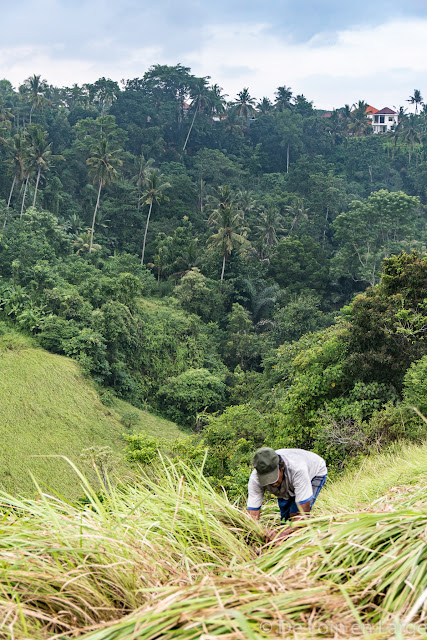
[(168, 557), (381, 558), (359, 487)]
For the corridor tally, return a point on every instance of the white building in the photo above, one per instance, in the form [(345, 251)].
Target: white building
[(384, 120)]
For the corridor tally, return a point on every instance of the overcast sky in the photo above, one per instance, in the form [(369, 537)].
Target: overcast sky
[(334, 52)]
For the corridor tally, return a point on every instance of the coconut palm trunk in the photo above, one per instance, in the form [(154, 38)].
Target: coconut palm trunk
[(191, 126), (9, 199), (37, 186), (23, 197), (11, 191), (94, 217), (223, 267), (145, 233)]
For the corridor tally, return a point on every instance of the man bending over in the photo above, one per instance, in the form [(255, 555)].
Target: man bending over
[(294, 476)]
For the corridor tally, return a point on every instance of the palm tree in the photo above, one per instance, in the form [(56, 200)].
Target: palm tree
[(6, 117), (83, 243), (416, 99), (228, 232), (411, 134), (233, 125), (265, 107), (269, 224), (298, 211), (28, 166), (144, 167), (260, 301), (359, 122), (74, 223), (155, 186), (200, 100), (245, 201), (102, 163), (104, 92), (334, 125), (221, 197), (345, 113), (283, 98), (244, 105), (399, 127), (76, 96), (15, 152), (34, 90), (39, 154), (217, 100)]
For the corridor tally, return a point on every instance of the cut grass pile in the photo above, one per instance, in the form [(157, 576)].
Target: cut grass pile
[(48, 408), (171, 558)]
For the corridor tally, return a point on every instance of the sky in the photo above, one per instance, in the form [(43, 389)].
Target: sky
[(332, 51)]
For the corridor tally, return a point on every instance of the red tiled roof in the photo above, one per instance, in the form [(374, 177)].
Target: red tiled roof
[(387, 111), (370, 109)]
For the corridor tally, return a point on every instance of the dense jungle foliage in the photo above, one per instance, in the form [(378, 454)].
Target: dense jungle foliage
[(209, 259)]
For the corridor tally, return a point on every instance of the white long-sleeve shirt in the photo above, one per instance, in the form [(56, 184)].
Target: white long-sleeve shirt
[(301, 467)]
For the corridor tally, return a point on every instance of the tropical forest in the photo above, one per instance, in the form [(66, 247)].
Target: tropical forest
[(186, 277)]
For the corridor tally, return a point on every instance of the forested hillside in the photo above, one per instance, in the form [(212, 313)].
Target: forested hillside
[(208, 256)]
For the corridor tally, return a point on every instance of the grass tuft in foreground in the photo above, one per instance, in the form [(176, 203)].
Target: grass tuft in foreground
[(168, 557)]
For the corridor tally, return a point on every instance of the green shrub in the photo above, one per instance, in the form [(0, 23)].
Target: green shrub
[(415, 385), (143, 448), (394, 423), (182, 397), (130, 419)]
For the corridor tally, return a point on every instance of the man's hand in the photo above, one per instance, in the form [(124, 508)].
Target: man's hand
[(277, 535)]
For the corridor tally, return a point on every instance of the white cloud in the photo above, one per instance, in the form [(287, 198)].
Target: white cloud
[(381, 64), (355, 61), (18, 63)]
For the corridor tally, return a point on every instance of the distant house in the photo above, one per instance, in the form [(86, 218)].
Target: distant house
[(370, 111), (383, 120)]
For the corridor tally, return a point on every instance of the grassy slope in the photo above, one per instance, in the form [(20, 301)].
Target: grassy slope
[(153, 425), (48, 408), (367, 484)]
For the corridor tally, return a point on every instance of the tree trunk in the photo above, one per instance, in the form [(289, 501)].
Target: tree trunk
[(11, 191), (37, 186), (94, 217), (287, 159), (223, 268), (8, 202), (23, 197), (201, 194), (324, 228), (189, 131), (145, 233)]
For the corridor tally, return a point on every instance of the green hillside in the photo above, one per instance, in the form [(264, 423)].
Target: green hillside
[(377, 480), (140, 420), (48, 408)]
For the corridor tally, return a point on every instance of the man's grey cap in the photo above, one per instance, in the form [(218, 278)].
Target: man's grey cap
[(266, 463)]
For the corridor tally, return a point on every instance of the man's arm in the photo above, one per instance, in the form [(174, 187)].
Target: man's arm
[(304, 508), (285, 532), (254, 513)]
